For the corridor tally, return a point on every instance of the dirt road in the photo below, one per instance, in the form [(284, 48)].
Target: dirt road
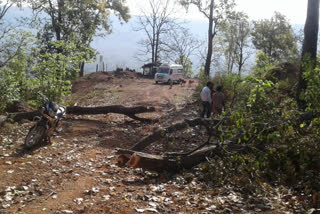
[(77, 173)]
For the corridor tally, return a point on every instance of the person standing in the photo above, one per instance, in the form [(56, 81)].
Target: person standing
[(206, 100), (218, 102), (171, 83)]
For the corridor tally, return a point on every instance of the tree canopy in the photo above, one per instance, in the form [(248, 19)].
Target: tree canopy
[(78, 20), (275, 38), (216, 13)]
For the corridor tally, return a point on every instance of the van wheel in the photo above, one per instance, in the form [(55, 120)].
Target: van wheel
[(156, 82)]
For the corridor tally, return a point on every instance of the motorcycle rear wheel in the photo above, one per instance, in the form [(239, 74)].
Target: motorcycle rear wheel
[(34, 136)]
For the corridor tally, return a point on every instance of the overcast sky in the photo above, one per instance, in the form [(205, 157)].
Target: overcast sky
[(294, 10)]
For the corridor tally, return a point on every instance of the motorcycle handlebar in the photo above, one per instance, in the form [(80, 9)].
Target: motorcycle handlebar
[(44, 97)]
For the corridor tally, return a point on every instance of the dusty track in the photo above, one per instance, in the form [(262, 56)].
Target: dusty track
[(77, 172)]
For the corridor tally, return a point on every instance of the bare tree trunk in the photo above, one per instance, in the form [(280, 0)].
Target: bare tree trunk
[(156, 52), (54, 22), (309, 48), (60, 8), (81, 73), (240, 63), (210, 38)]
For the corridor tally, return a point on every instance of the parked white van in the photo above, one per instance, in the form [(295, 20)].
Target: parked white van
[(167, 72)]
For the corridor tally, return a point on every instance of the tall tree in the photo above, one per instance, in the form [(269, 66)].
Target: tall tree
[(180, 46), (12, 38), (309, 47), (275, 38), (236, 36), (155, 22), (216, 14), (79, 20), (4, 7)]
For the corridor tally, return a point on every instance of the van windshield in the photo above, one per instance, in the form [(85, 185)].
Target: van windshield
[(180, 70), (163, 70)]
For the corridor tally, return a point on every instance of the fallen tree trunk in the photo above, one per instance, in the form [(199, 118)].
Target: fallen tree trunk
[(117, 109), (165, 163), (173, 161), (23, 115), (146, 141), (77, 110), (170, 161)]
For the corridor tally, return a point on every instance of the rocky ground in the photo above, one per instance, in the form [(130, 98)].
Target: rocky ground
[(77, 173)]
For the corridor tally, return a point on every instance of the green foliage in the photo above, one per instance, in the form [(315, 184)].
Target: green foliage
[(8, 88), (275, 38), (236, 37), (258, 100), (53, 70), (77, 22), (14, 80), (274, 145), (263, 66), (312, 93), (30, 70)]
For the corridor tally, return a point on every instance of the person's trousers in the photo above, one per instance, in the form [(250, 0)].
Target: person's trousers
[(206, 109)]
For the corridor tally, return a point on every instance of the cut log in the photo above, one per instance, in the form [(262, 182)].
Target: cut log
[(123, 159), (151, 162), (164, 163), (77, 110), (135, 159), (2, 120), (124, 151)]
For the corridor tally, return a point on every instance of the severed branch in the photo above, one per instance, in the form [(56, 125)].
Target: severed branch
[(170, 161), (161, 133)]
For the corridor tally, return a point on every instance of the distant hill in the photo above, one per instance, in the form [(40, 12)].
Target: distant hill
[(119, 48)]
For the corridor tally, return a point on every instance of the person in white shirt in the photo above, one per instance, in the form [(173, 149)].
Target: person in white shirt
[(206, 100)]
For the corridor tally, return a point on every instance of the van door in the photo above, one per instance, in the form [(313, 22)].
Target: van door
[(170, 74), (180, 74), (175, 75)]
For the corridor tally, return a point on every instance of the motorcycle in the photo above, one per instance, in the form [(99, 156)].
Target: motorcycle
[(49, 121)]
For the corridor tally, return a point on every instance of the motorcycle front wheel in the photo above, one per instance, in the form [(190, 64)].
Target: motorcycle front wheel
[(58, 125), (34, 136)]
